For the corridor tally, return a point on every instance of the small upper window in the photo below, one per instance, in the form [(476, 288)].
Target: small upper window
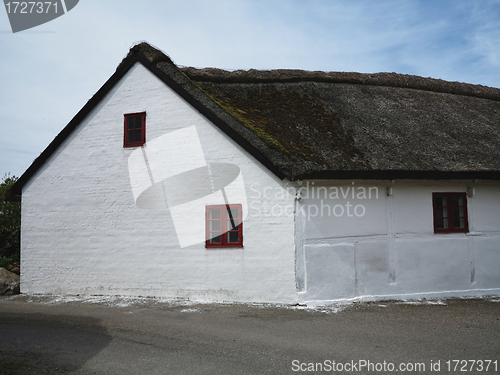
[(135, 129), (450, 213), (224, 227)]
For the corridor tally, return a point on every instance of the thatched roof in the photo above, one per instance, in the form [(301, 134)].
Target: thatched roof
[(347, 125), (303, 124), (324, 123)]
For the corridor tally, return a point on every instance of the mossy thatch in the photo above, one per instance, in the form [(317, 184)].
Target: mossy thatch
[(282, 118), (328, 123)]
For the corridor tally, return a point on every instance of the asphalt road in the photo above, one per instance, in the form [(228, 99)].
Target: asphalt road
[(42, 335)]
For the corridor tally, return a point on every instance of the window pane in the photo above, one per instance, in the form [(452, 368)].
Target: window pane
[(214, 213), (232, 236), (232, 224), (130, 136), (216, 239), (441, 212), (137, 135), (138, 122), (458, 212), (214, 225), (442, 223), (233, 212), (130, 122), (458, 201), (440, 201), (459, 223)]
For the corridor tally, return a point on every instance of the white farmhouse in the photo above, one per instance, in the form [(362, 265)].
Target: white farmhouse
[(267, 186)]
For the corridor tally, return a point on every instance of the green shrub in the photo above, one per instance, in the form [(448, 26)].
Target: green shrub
[(5, 262), (10, 223)]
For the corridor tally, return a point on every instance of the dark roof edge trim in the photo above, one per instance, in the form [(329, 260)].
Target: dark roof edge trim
[(400, 175)]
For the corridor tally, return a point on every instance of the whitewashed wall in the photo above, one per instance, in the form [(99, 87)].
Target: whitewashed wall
[(391, 251), (83, 233)]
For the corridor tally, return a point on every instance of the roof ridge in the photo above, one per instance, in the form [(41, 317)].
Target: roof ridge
[(151, 53), (215, 75)]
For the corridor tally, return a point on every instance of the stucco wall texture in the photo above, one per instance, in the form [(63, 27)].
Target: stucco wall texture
[(391, 251), (83, 233)]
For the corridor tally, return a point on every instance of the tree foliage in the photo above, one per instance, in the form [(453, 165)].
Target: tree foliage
[(10, 222)]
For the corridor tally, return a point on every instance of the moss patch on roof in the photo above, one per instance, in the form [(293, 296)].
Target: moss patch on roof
[(284, 119), (247, 120)]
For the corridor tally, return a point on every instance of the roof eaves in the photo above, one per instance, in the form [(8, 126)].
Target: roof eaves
[(400, 175)]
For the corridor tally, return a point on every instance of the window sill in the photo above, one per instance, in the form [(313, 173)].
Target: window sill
[(134, 146), (224, 247), (452, 233)]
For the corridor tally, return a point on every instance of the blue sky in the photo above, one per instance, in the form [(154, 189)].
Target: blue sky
[(49, 72)]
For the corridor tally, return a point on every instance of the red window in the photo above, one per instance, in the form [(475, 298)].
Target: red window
[(135, 129), (450, 213), (224, 226)]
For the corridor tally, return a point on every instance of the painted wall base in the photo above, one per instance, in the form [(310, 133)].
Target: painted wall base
[(476, 293)]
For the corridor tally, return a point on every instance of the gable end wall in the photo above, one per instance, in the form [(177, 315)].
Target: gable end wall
[(82, 232)]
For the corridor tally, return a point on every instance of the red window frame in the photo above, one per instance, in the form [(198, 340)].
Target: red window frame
[(127, 142), (449, 213), (222, 224)]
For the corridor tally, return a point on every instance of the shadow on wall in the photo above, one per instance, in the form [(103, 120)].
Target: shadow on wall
[(43, 344)]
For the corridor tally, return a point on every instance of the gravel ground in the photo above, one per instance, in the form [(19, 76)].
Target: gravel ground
[(118, 335)]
